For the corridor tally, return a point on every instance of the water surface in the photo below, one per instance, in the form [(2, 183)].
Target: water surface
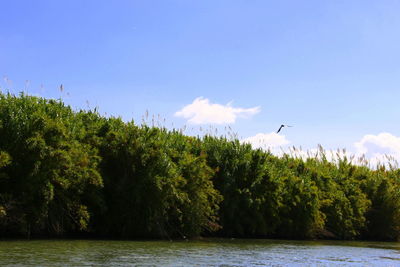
[(207, 252)]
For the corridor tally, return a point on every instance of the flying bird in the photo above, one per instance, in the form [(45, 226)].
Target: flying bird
[(283, 125)]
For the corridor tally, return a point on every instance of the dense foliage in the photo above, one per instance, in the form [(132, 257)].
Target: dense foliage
[(66, 172)]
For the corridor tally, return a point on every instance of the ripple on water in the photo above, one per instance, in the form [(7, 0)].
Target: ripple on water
[(208, 252)]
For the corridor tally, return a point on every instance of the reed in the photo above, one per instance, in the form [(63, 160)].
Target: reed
[(67, 172)]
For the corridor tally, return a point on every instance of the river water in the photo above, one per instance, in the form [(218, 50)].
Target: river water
[(207, 252)]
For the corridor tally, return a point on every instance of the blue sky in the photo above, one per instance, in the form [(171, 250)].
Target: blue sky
[(329, 68)]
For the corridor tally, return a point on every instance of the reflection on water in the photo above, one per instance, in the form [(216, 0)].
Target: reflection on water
[(208, 252)]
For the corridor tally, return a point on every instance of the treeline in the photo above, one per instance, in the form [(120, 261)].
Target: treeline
[(68, 173)]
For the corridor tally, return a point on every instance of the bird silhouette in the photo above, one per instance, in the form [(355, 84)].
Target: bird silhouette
[(283, 125)]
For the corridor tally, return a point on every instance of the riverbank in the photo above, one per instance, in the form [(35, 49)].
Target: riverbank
[(66, 172)]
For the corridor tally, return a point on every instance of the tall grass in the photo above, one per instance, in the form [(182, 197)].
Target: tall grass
[(66, 172)]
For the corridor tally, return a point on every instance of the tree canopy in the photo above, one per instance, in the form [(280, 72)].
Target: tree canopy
[(65, 172)]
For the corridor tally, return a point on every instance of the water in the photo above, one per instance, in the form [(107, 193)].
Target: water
[(208, 252)]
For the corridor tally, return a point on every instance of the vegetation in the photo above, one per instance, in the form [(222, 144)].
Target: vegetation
[(66, 172)]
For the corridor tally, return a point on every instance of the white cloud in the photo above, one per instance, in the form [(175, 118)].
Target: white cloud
[(371, 149), (201, 111), (381, 143), (377, 148), (267, 141)]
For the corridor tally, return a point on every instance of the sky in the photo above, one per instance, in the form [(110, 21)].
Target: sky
[(330, 69)]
